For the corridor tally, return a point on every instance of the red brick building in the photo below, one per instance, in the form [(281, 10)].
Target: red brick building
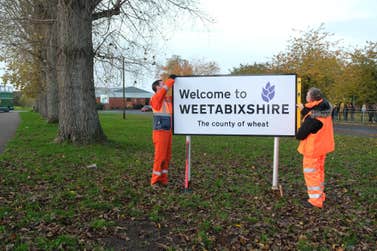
[(112, 98)]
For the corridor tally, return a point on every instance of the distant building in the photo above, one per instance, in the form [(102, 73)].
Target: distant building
[(112, 98)]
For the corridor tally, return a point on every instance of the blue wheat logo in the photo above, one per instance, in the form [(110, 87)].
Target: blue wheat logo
[(268, 92)]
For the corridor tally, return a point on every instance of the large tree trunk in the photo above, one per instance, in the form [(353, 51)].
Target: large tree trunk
[(52, 82), (51, 75), (78, 118), (41, 104)]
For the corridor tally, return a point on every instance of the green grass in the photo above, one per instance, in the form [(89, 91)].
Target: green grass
[(23, 108), (51, 198)]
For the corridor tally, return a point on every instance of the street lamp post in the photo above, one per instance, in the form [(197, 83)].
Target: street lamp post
[(123, 79), (124, 89)]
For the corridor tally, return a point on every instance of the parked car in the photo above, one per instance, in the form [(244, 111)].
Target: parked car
[(146, 108)]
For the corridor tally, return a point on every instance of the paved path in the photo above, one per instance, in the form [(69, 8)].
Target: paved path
[(9, 122)]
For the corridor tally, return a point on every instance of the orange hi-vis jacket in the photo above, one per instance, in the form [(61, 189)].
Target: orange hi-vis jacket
[(162, 109), (321, 142)]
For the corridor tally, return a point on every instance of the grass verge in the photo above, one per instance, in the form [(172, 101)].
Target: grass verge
[(62, 196)]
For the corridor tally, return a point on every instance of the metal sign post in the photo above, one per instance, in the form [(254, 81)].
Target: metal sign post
[(188, 164), (275, 173)]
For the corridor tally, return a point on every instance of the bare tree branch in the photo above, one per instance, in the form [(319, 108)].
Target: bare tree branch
[(106, 13)]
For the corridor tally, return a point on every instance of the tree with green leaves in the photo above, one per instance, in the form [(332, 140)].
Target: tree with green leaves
[(256, 68), (361, 72), (313, 57)]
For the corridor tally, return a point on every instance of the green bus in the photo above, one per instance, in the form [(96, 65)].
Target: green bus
[(6, 98)]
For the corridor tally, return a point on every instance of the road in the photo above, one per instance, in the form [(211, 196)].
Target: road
[(356, 129), (9, 122)]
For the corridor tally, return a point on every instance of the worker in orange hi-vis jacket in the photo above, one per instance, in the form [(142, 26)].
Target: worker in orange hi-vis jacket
[(316, 137), (162, 108)]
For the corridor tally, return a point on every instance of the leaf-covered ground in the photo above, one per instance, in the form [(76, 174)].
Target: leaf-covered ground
[(98, 197)]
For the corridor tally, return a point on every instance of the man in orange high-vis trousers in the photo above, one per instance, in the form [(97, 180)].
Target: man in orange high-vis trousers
[(317, 139), (162, 108)]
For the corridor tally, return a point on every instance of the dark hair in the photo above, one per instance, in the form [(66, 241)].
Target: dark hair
[(315, 93), (155, 84)]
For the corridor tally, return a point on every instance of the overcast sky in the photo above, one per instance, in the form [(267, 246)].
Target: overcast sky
[(248, 31)]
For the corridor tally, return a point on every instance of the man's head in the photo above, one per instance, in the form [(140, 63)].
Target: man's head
[(313, 94), (156, 84)]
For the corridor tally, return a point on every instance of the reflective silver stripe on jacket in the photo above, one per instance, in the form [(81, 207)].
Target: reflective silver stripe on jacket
[(164, 171), (309, 170), (315, 196), (315, 188), (161, 114), (157, 173)]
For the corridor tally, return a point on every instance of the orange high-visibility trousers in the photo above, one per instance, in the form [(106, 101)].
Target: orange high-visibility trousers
[(162, 141), (314, 174)]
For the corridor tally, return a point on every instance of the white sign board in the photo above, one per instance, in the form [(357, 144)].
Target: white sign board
[(104, 99), (235, 105)]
